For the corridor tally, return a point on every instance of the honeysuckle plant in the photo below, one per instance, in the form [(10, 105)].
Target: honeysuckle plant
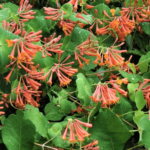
[(74, 74)]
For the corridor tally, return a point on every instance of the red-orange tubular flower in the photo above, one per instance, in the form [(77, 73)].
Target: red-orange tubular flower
[(51, 45), (134, 10), (28, 92), (54, 14), (75, 4), (25, 14), (145, 87), (26, 50), (24, 10), (91, 146), (105, 95), (118, 88), (112, 57), (67, 26), (98, 22), (1, 107), (58, 69), (89, 47), (122, 27), (79, 131)]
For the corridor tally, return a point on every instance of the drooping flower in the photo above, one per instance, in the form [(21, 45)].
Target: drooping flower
[(24, 10), (7, 78), (75, 125), (51, 45), (67, 26), (54, 14), (91, 145), (61, 69), (1, 107), (89, 48), (105, 95)]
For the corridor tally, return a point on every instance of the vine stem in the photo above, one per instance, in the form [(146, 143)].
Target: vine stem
[(136, 146), (129, 123), (134, 130), (43, 145), (127, 113)]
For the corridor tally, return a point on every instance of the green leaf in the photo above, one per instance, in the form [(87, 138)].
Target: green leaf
[(132, 88), (84, 89), (39, 60), (55, 132), (137, 117), (13, 86), (18, 133), (52, 112), (110, 131), (36, 24), (38, 119), (145, 124), (105, 40), (123, 108), (100, 14), (133, 78), (93, 112), (139, 100), (68, 9), (145, 27), (135, 51), (65, 105), (11, 6), (76, 19), (132, 67), (4, 14), (4, 49), (143, 62)]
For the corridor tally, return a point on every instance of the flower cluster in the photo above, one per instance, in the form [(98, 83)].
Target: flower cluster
[(58, 69), (51, 45), (75, 125), (89, 48), (105, 95)]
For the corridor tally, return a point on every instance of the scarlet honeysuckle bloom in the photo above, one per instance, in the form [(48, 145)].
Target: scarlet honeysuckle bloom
[(75, 3), (105, 95), (75, 125), (54, 14), (24, 10), (123, 26), (51, 45), (97, 21), (25, 14), (112, 57), (27, 93), (61, 69), (118, 88), (89, 47), (134, 10), (7, 78), (26, 50), (67, 26), (91, 146), (1, 107)]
